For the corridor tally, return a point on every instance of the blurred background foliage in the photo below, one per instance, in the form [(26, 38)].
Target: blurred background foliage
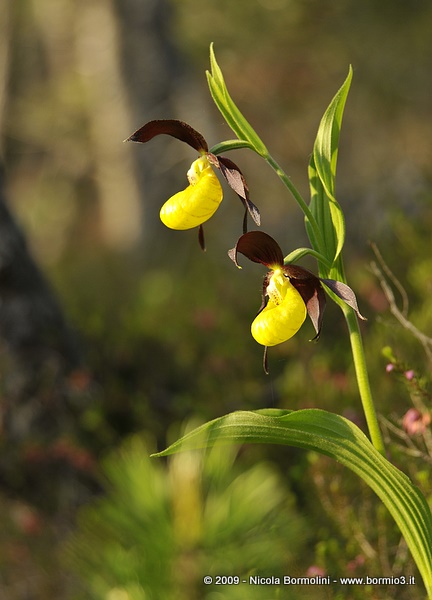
[(162, 329), (141, 535)]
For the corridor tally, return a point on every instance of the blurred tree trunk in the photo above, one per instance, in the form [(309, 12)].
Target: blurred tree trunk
[(79, 77), (38, 352), (159, 85), (31, 321), (117, 56), (106, 103), (4, 60), (80, 42)]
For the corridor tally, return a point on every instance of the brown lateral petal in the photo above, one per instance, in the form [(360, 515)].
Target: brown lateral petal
[(345, 293), (232, 174), (253, 211), (258, 247), (310, 289), (178, 129), (237, 182)]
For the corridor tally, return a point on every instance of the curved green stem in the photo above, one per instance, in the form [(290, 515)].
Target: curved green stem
[(297, 254), (296, 195), (228, 145), (351, 318), (363, 378)]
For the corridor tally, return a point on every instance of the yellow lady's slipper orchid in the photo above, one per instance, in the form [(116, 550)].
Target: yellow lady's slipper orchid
[(289, 292), (198, 202), (283, 315)]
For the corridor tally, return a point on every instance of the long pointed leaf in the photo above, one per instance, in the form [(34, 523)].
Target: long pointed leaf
[(327, 141), (340, 439), (322, 175), (226, 105)]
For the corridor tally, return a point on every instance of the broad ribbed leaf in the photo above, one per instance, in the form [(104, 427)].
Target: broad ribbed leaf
[(340, 439)]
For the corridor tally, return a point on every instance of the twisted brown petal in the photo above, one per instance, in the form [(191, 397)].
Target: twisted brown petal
[(345, 293), (237, 182), (310, 289)]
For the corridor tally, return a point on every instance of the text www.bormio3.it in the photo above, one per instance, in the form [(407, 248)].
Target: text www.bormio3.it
[(319, 580)]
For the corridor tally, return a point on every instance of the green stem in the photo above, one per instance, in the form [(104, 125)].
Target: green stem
[(297, 254), (363, 378), (296, 195), (350, 316)]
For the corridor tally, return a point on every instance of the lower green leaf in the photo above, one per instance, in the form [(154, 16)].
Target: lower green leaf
[(340, 439)]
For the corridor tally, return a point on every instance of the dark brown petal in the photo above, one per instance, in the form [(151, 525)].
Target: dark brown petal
[(232, 174), (237, 182), (201, 238), (258, 247), (345, 293), (178, 129), (312, 293), (253, 211), (264, 297), (296, 272), (245, 221)]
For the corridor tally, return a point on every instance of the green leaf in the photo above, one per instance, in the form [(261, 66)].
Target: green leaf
[(322, 177), (340, 439), (327, 140), (329, 218), (232, 115)]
